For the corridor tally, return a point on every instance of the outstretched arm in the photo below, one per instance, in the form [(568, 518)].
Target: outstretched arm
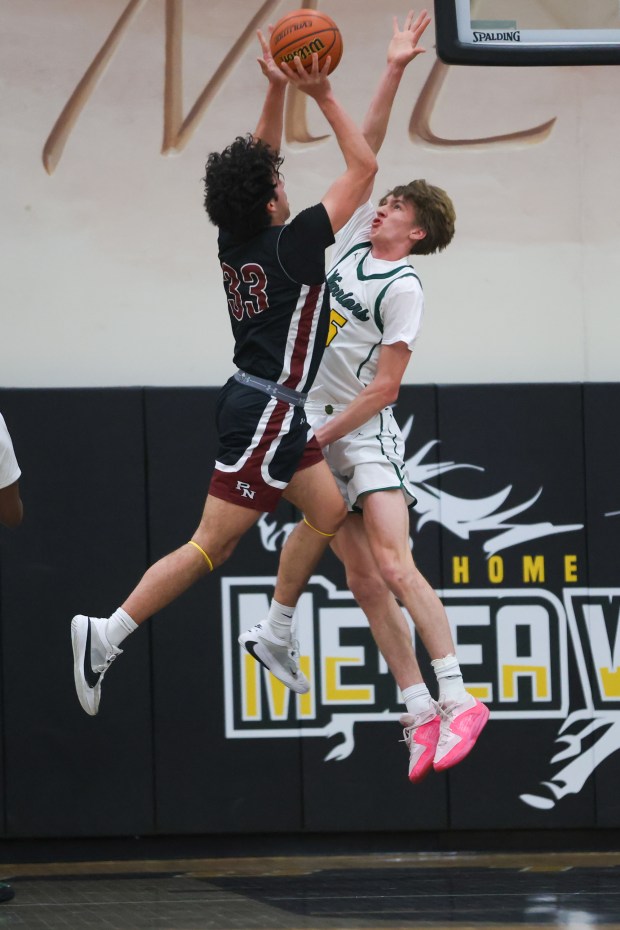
[(402, 49), (345, 194), (271, 119)]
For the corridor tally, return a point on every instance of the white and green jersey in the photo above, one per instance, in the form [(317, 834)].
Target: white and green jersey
[(372, 302)]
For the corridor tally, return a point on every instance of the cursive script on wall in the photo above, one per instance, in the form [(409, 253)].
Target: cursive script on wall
[(179, 129)]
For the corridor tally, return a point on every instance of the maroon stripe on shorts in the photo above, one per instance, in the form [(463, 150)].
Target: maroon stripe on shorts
[(225, 485)]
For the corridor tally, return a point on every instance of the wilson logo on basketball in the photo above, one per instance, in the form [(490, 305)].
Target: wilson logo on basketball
[(304, 51)]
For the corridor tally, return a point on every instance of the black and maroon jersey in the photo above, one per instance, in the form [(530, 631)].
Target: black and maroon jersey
[(277, 299)]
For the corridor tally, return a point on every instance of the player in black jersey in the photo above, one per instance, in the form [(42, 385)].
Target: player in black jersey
[(274, 279)]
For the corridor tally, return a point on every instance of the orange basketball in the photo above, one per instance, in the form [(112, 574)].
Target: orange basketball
[(303, 32)]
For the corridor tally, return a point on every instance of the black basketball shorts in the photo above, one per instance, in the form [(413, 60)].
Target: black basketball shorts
[(262, 443)]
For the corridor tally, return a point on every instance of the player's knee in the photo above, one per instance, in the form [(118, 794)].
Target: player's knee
[(216, 551), (367, 586), (328, 517), (398, 577), (340, 512)]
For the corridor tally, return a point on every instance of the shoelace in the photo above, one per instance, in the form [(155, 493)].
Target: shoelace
[(102, 669), (294, 653), (408, 731), (446, 720)]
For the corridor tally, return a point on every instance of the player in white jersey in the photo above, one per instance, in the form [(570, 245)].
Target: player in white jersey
[(376, 311), (11, 515), (11, 507)]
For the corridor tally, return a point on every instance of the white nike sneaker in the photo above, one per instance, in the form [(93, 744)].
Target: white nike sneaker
[(281, 659), (92, 657)]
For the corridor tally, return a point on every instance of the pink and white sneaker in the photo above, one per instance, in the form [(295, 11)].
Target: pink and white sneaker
[(421, 734), (461, 725)]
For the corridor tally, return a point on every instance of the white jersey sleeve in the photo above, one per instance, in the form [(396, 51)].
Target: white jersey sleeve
[(9, 469), (356, 230), (403, 312)]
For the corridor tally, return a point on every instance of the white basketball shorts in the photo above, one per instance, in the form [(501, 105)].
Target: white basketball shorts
[(370, 459)]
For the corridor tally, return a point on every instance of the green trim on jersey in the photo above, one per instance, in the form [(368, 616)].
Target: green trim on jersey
[(367, 359), (358, 245), (385, 274), (376, 311)]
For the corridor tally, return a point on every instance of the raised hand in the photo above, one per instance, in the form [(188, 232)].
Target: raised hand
[(404, 46), (314, 82), (267, 65)]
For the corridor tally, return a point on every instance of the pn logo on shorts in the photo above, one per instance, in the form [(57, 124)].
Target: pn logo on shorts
[(246, 489)]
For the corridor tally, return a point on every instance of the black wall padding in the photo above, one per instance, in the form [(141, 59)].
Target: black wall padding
[(82, 544), (517, 526)]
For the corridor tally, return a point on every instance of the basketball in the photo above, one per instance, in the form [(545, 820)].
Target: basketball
[(303, 32)]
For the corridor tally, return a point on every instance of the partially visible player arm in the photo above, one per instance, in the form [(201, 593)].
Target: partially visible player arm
[(344, 196), (271, 119), (402, 49), (382, 391), (11, 507)]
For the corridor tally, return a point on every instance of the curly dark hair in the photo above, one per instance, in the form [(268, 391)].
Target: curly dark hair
[(434, 212), (239, 183)]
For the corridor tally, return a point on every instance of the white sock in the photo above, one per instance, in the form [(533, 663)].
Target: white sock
[(417, 698), (449, 678), (119, 626), (279, 621)]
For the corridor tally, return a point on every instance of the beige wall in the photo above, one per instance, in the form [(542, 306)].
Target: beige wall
[(108, 270)]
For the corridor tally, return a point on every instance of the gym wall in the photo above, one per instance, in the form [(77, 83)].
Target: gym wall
[(110, 279), (517, 526), (109, 265)]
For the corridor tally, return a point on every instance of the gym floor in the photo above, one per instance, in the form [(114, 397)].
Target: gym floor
[(370, 891)]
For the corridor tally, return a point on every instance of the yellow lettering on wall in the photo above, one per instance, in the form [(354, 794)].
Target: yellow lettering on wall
[(334, 690), (305, 702), (496, 569), (534, 568), (570, 568), (251, 669), (610, 681), (460, 569), (280, 695), (510, 673), (482, 692)]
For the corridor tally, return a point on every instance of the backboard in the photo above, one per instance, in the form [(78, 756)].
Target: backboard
[(528, 32)]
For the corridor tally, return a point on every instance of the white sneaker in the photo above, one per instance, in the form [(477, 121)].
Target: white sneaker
[(281, 659), (92, 657)]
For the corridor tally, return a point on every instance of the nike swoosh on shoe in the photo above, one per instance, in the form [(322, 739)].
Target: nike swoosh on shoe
[(249, 645), (91, 677)]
